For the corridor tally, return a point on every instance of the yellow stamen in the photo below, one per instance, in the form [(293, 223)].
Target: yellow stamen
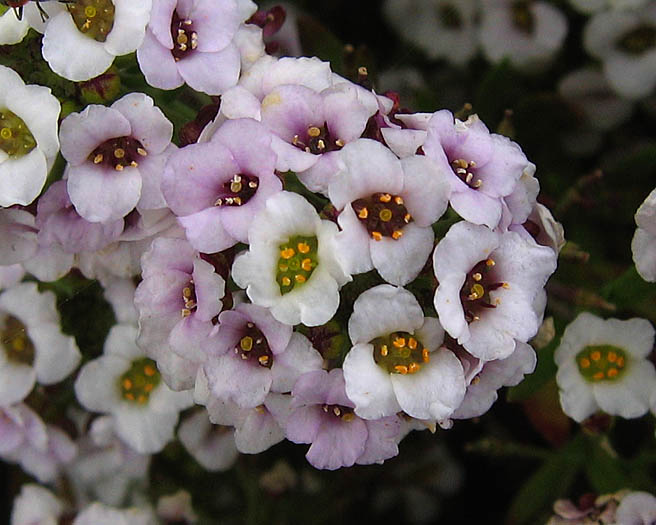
[(598, 376), (385, 197), (399, 342), (149, 370), (377, 236), (127, 384), (477, 277), (412, 343), (398, 200), (413, 367), (287, 253), (383, 350), (620, 362), (142, 399), (584, 362), (303, 247), (286, 281), (349, 416), (425, 355), (612, 357), (363, 213), (129, 396), (490, 262), (612, 372), (299, 278), (306, 264), (596, 355), (397, 234), (263, 359), (401, 369), (98, 158)]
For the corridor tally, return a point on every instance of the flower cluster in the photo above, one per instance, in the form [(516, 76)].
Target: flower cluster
[(319, 266)]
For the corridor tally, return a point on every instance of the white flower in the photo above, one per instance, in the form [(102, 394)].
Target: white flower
[(292, 265), (643, 245), (212, 446), (625, 41), (593, 6), (528, 33), (440, 28), (81, 41), (28, 138), (125, 383), (99, 514), (636, 508), (33, 347), (602, 365), (396, 362), (36, 505), (12, 30)]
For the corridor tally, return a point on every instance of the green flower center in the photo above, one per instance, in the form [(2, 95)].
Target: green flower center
[(522, 17), (19, 348), (601, 363), (139, 381), (16, 139), (298, 259), (383, 215), (400, 353), (94, 18), (449, 16), (638, 40), (254, 347), (118, 153)]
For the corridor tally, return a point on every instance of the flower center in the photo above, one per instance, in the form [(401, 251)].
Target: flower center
[(475, 293), (522, 18), (94, 18), (449, 16), (400, 353), (19, 348), (189, 298), (638, 40), (298, 259), (118, 153), (383, 214), (238, 190), (15, 137), (464, 170), (601, 362), (185, 39), (139, 381), (340, 412), (254, 347), (317, 140)]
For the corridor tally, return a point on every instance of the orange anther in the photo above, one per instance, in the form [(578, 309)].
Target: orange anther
[(401, 369), (596, 355), (385, 197), (425, 355), (377, 236)]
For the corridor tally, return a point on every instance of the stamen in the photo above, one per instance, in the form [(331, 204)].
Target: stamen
[(377, 236), (363, 213), (98, 158)]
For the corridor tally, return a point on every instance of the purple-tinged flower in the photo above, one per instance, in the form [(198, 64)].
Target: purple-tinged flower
[(643, 245), (256, 429), (637, 508), (176, 508), (213, 446), (387, 209), (28, 138), (324, 416), (81, 41), (116, 155), (541, 226), (482, 167), (193, 42), (18, 236), (252, 354), (397, 362), (178, 298), (33, 346), (292, 265), (602, 365), (61, 225), (125, 383), (123, 258), (488, 284), (217, 187), (485, 378), (313, 127)]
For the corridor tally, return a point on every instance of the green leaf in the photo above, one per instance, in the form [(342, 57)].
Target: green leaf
[(604, 472), (499, 90), (544, 371), (550, 482), (629, 290)]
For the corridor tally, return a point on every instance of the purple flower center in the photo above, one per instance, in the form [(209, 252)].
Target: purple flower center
[(254, 347), (339, 412), (475, 293), (119, 153), (189, 299), (383, 214), (94, 18), (238, 190), (185, 39), (317, 140), (466, 172), (19, 348), (400, 353)]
